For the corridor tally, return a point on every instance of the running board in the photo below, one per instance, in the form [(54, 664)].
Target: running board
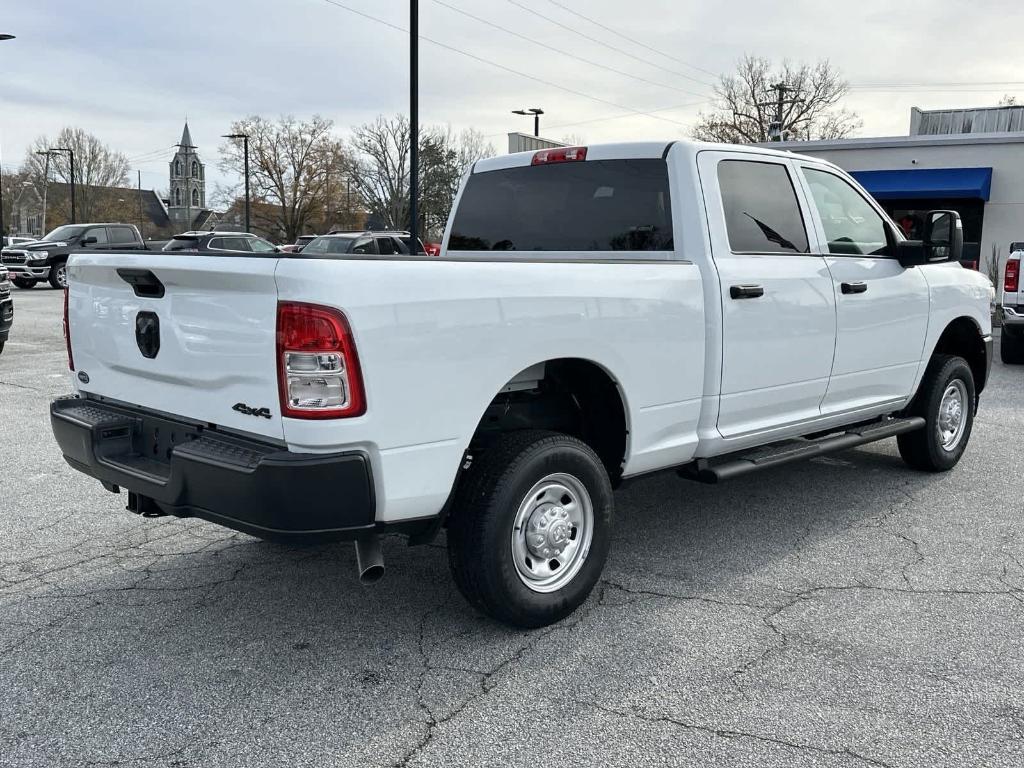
[(719, 469)]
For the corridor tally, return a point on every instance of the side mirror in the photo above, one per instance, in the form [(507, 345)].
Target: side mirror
[(943, 241), (943, 236), (87, 241)]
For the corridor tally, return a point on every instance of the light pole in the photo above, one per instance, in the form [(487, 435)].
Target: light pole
[(71, 154), (46, 184), (245, 144), (414, 117), (536, 117), (3, 229)]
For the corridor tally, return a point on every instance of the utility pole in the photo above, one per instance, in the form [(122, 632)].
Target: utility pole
[(414, 118), (777, 129)]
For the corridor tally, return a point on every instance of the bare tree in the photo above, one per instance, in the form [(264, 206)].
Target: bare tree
[(1009, 100), (380, 171), (293, 165), (747, 106), (96, 166)]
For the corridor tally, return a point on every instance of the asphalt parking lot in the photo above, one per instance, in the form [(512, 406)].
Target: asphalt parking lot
[(842, 612)]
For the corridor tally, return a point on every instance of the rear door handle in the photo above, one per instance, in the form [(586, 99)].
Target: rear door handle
[(746, 291), (858, 287)]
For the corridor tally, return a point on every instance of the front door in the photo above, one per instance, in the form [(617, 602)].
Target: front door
[(881, 307), (778, 308)]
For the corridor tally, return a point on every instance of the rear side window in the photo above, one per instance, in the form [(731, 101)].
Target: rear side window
[(761, 210), (182, 244), (121, 235), (594, 205)]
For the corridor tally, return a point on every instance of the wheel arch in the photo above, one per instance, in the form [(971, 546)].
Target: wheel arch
[(575, 395), (964, 337)]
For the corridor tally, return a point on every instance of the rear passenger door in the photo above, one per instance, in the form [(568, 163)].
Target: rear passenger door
[(881, 306), (778, 307)]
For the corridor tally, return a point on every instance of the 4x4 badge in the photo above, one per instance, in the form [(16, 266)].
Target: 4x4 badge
[(250, 411)]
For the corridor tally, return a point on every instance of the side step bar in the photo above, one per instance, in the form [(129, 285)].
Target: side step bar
[(723, 468)]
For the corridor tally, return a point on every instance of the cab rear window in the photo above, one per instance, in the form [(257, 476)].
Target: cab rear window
[(595, 205)]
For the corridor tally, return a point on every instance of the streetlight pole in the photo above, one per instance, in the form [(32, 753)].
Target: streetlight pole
[(46, 184), (536, 112), (71, 154), (3, 229), (414, 117), (245, 144)]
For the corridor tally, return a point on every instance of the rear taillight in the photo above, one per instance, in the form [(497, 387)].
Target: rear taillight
[(317, 367), (1011, 278), (560, 155), (67, 333)]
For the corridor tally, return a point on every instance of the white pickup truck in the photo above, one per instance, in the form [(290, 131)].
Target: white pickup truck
[(1011, 311), (596, 313)]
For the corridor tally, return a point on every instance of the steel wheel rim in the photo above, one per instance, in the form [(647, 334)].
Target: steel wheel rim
[(62, 276), (952, 417), (552, 532)]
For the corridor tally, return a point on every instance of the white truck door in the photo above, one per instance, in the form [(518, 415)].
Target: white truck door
[(778, 307), (881, 307)]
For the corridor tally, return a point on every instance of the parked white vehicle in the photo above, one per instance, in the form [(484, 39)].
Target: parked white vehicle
[(597, 313), (1011, 311)]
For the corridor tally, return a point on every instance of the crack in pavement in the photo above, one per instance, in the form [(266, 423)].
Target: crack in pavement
[(729, 733)]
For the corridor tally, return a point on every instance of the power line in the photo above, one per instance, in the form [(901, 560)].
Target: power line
[(1008, 83), (614, 117), (592, 39), (619, 33), (495, 64), (564, 53)]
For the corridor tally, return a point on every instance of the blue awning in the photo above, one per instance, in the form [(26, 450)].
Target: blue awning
[(914, 183)]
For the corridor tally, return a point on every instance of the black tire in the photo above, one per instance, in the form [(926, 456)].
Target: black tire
[(923, 449), (1011, 347), (56, 271), (24, 282), (480, 528)]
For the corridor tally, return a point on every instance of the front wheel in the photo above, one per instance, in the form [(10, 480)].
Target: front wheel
[(59, 275), (531, 526), (945, 400), (23, 282)]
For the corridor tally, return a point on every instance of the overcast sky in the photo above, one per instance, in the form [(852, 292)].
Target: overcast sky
[(131, 70)]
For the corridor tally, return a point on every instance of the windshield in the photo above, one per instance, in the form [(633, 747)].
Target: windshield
[(67, 232)]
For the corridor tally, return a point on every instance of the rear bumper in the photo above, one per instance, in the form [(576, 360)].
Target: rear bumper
[(1012, 316), (175, 467)]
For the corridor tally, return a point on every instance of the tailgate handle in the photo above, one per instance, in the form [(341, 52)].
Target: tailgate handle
[(145, 284)]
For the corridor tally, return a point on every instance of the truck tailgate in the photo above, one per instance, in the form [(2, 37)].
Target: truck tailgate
[(216, 355)]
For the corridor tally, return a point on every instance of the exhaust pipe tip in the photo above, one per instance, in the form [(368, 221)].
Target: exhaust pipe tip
[(369, 560)]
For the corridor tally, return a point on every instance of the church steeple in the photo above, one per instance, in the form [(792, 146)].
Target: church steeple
[(187, 182)]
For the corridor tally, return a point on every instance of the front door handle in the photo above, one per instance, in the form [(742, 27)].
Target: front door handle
[(858, 287), (746, 291)]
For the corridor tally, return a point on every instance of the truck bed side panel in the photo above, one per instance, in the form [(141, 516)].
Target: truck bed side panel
[(438, 340)]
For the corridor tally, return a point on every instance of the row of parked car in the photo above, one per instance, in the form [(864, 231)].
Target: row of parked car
[(45, 260)]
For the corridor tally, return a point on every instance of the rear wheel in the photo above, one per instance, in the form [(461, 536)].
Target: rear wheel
[(1011, 346), (23, 282), (530, 529), (59, 275), (946, 402)]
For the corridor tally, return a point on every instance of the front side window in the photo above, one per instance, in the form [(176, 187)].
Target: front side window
[(592, 205), (852, 226), (363, 245), (762, 214), (100, 233)]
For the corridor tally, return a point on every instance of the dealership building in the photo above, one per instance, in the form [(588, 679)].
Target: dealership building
[(967, 160)]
